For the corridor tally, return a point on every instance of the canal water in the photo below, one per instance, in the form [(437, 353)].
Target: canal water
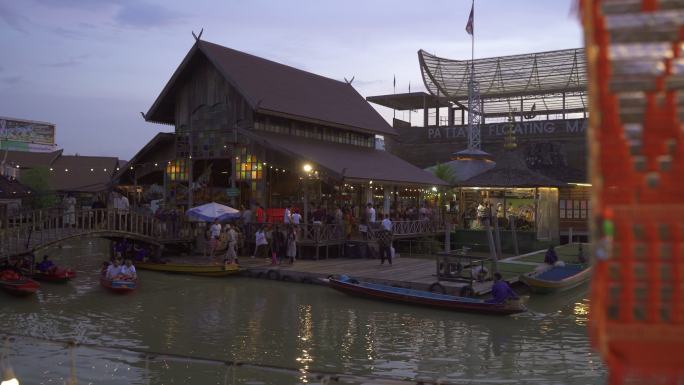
[(291, 329)]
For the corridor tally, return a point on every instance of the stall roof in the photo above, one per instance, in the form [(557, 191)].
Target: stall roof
[(85, 173), (409, 101), (10, 188), (26, 159), (510, 171), (159, 149), (353, 163)]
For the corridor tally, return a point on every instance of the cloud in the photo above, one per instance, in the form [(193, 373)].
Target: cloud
[(12, 80), (145, 15), (69, 62), (15, 20)]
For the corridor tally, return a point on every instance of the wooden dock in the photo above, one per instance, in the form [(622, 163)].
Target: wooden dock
[(413, 273)]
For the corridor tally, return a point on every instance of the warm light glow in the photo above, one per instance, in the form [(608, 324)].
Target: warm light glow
[(17, 166), (12, 381), (581, 184), (434, 189), (307, 168), (92, 169), (371, 182)]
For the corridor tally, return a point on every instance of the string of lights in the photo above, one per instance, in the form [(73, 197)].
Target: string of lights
[(325, 376)]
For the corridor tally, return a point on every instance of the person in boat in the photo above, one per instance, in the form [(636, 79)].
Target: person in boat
[(479, 273), (501, 291), (46, 265), (113, 270), (140, 253), (128, 270), (551, 257)]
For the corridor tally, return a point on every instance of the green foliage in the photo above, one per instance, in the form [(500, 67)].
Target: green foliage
[(444, 172), (37, 179)]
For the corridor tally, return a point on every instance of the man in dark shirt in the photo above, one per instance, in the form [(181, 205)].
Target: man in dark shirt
[(501, 291)]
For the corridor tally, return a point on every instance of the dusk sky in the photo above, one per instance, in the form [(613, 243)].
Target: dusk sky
[(91, 66)]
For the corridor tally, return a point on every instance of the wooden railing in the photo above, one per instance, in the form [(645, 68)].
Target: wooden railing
[(30, 230)]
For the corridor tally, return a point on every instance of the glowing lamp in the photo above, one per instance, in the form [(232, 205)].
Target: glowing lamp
[(307, 168), (434, 189)]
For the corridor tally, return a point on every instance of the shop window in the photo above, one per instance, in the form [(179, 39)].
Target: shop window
[(573, 209), (177, 170)]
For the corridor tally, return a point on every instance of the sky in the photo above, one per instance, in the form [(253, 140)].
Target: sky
[(91, 66)]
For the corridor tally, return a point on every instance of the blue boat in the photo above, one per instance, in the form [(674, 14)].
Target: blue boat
[(423, 298), (557, 278)]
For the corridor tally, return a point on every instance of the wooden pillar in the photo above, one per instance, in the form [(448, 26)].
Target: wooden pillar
[(451, 117), (425, 112), (386, 199), (462, 116)]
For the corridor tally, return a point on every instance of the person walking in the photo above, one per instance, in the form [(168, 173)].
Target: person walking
[(214, 234), (279, 245), (287, 215), (385, 244), (292, 244), (231, 250), (261, 250)]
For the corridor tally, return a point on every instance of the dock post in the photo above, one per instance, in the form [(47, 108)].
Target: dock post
[(447, 236), (492, 249), (512, 218)]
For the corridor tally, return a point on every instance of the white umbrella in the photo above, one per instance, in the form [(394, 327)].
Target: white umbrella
[(212, 211)]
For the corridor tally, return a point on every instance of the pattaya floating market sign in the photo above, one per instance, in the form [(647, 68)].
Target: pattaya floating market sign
[(534, 128)]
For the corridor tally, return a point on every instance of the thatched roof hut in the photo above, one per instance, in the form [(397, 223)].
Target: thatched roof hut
[(510, 171)]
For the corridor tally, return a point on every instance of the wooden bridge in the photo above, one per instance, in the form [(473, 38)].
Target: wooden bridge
[(39, 229)]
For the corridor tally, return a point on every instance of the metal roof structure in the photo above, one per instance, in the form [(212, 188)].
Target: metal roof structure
[(537, 83)]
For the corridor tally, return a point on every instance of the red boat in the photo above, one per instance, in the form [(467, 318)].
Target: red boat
[(58, 275), (17, 284), (121, 286)]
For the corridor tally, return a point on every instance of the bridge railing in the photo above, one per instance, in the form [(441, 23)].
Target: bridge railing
[(31, 229)]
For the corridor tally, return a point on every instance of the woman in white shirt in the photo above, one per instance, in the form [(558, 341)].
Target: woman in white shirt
[(261, 250), (214, 234)]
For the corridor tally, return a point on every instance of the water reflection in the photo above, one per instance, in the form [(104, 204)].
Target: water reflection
[(303, 327)]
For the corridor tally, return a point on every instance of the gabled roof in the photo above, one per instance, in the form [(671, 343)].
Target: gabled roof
[(278, 89), (26, 159), (159, 149)]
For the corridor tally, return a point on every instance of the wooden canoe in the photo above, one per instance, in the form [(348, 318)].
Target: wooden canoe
[(557, 278), (423, 298), (59, 275), (20, 287), (205, 270)]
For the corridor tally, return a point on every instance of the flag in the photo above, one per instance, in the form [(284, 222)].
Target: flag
[(471, 21)]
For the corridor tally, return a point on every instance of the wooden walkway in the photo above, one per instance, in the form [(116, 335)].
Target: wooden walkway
[(414, 273)]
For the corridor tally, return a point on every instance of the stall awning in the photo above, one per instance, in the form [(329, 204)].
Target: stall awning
[(353, 163)]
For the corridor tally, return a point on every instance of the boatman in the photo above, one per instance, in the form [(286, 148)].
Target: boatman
[(501, 291), (46, 265), (551, 257)]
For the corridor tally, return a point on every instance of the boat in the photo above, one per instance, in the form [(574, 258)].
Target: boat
[(423, 298), (17, 284), (59, 275), (557, 278), (121, 286), (205, 270)]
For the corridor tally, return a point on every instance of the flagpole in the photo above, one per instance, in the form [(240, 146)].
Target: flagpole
[(394, 83), (409, 107)]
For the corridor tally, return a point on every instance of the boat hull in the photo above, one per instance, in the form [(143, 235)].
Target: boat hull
[(119, 286), (21, 287), (424, 298), (59, 276), (539, 285), (200, 270)]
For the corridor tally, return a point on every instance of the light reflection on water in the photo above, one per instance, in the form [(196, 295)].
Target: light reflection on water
[(303, 327)]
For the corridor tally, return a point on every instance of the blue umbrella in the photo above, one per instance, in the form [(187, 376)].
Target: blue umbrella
[(212, 211)]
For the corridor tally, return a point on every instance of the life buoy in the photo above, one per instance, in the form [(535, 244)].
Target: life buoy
[(437, 288), (467, 291), (273, 274)]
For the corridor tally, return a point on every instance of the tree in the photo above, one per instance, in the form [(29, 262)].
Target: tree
[(444, 172), (37, 179)]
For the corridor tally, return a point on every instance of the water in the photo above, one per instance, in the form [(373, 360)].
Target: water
[(302, 327)]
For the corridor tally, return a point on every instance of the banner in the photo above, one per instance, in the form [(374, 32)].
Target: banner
[(27, 131)]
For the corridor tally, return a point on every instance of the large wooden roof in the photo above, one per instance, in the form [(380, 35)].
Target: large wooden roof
[(277, 89)]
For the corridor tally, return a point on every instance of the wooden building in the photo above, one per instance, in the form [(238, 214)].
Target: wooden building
[(249, 130)]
